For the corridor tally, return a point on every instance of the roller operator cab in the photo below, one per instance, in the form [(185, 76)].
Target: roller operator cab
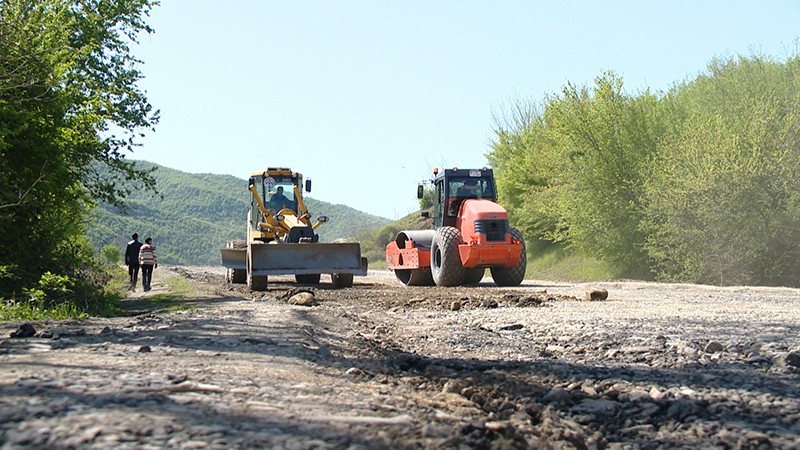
[(471, 233)]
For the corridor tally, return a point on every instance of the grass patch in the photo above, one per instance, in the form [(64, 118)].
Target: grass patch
[(117, 285), (64, 298), (379, 264), (114, 291), (180, 295), (179, 288), (36, 310), (554, 263)]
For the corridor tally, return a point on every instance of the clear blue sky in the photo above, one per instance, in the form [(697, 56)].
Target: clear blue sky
[(366, 97)]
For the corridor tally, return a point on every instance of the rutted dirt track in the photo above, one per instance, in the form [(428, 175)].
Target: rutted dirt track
[(380, 365)]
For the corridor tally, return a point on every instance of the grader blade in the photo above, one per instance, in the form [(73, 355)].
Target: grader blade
[(307, 258), (234, 258)]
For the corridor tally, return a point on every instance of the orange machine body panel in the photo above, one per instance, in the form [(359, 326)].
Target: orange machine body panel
[(411, 250), (484, 228)]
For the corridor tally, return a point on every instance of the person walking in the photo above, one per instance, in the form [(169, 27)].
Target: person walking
[(148, 261), (132, 260)]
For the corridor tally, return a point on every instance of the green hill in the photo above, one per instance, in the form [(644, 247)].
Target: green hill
[(195, 214)]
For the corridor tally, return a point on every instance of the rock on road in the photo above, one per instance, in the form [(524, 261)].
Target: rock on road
[(380, 365)]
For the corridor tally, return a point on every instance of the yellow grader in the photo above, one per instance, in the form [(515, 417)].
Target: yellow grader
[(282, 240)]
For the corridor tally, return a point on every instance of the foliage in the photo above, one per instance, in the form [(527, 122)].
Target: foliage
[(30, 310), (195, 214), (181, 295), (725, 196), (548, 261), (525, 170), (50, 287), (110, 254), (697, 184), (608, 140), (67, 79), (59, 297), (427, 200), (575, 173)]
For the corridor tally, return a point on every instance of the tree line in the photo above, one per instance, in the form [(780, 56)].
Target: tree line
[(698, 184), (69, 102)]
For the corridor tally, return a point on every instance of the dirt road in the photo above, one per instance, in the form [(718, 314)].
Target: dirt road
[(380, 365)]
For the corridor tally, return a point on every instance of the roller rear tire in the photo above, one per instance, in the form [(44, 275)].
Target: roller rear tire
[(512, 276)]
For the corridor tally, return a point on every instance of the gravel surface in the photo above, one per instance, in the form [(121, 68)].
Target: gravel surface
[(381, 365)]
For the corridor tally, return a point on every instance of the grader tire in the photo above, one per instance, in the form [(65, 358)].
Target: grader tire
[(236, 276), (254, 282), (342, 280), (512, 276), (257, 283), (237, 243), (446, 267), (310, 278)]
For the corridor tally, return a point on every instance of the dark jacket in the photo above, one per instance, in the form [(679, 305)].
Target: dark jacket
[(132, 253)]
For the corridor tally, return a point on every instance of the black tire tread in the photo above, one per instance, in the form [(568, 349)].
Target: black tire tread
[(257, 283), (254, 283), (512, 276), (415, 277), (311, 278), (342, 280), (474, 276), (451, 272)]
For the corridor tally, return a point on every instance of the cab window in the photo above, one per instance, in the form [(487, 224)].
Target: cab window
[(281, 196), (468, 187)]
